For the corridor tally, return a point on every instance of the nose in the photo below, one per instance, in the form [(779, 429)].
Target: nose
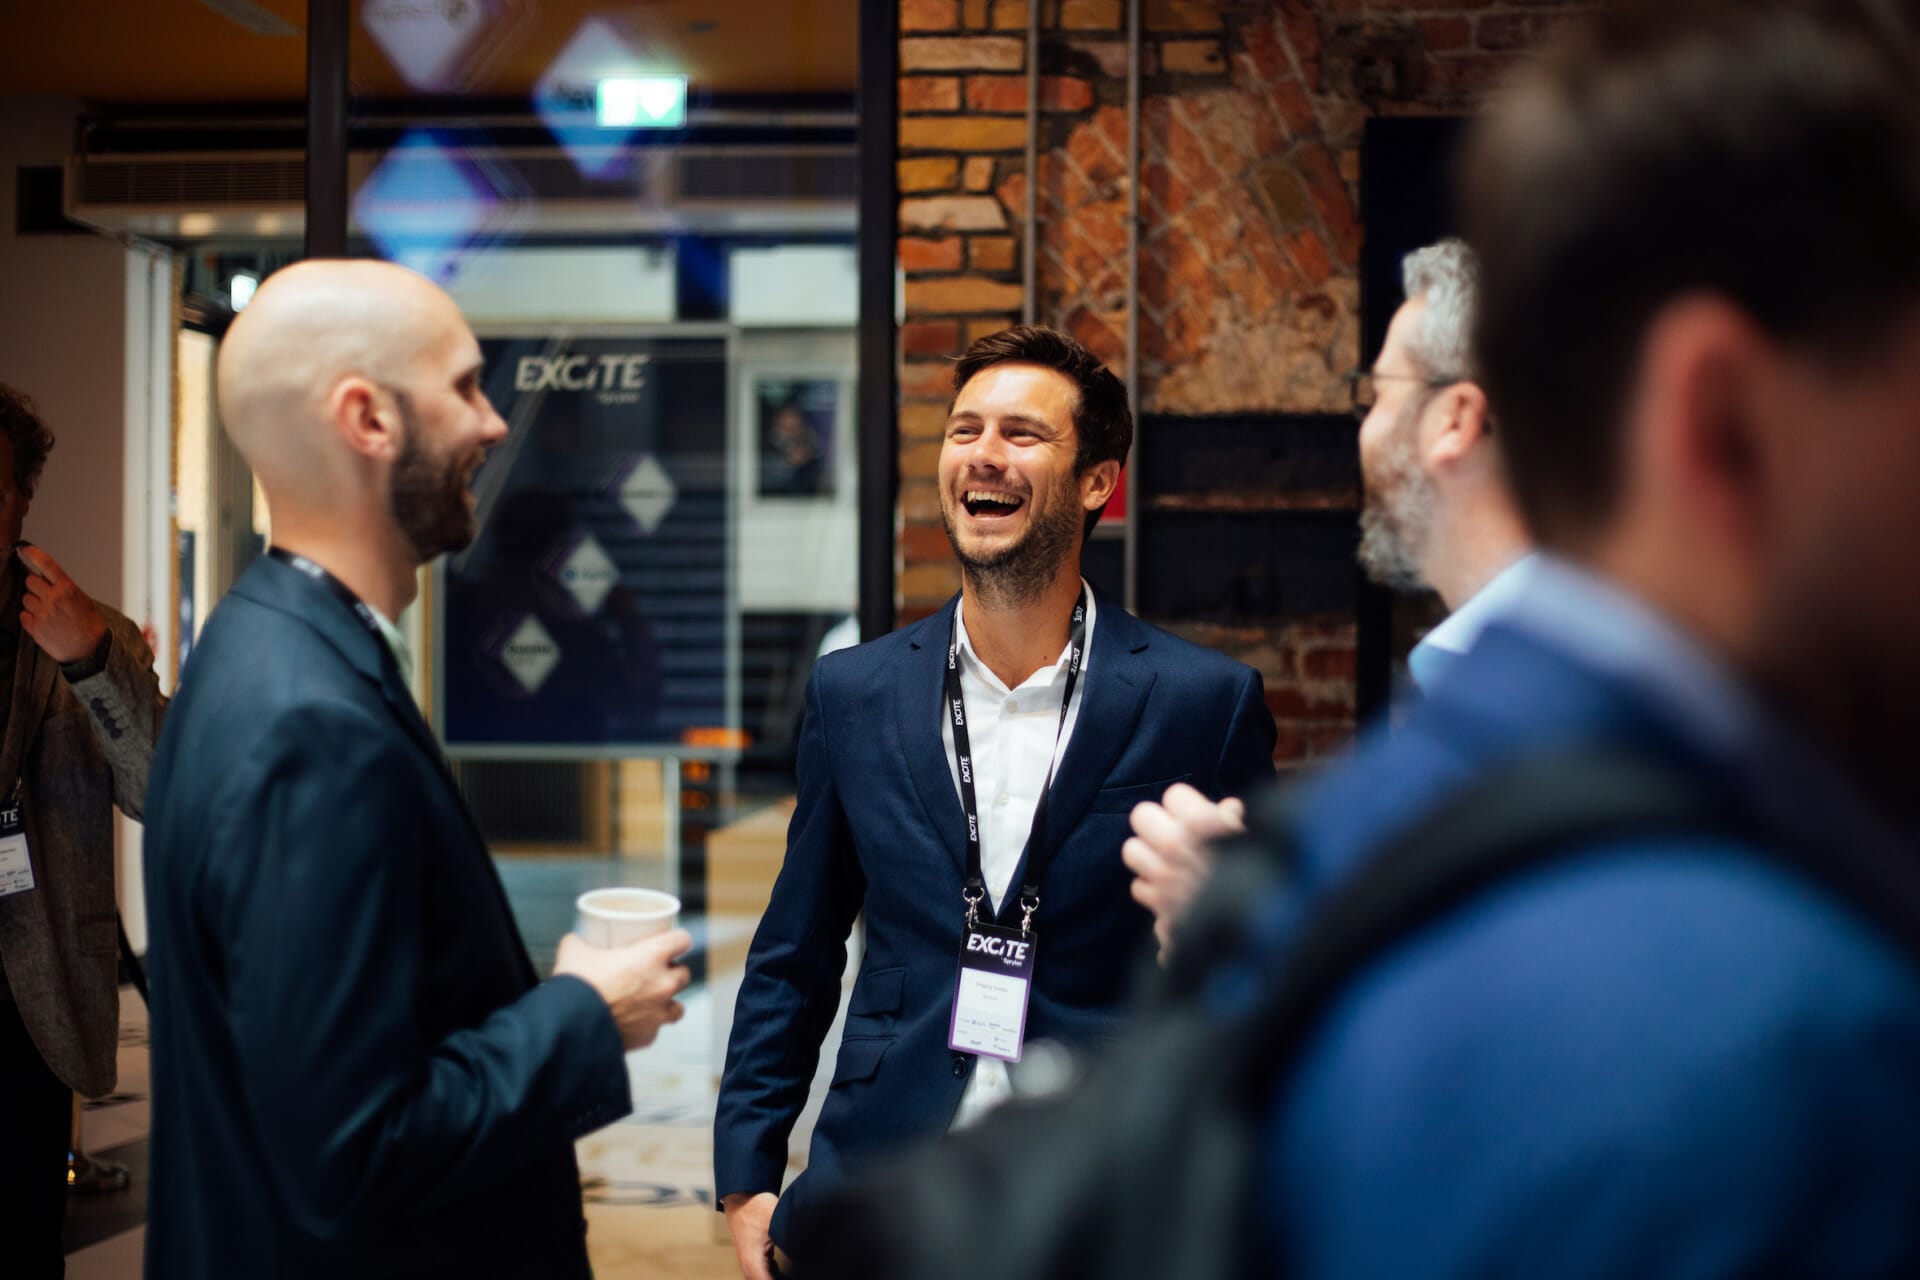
[(495, 429), (989, 451)]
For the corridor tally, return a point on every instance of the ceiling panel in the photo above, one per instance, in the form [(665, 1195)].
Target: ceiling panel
[(184, 51)]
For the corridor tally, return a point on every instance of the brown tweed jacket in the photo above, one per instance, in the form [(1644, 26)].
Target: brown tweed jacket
[(80, 749)]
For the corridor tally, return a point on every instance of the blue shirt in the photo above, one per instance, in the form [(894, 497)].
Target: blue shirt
[(1669, 1058)]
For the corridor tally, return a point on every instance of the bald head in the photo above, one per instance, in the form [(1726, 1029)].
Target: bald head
[(310, 327)]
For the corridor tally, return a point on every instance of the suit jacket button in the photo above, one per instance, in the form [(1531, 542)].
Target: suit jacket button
[(959, 1065)]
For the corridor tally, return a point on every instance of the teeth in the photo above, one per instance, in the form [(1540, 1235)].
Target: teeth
[(997, 499)]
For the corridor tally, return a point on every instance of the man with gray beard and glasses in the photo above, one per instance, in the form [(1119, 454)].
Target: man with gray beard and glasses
[(965, 783), (1438, 515)]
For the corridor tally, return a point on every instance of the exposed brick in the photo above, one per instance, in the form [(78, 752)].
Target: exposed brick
[(952, 213), (978, 175), (1503, 31), (1468, 78), (1302, 27), (925, 543), (1011, 15), (963, 53), (1090, 15), (1192, 57), (1331, 201), (978, 329), (1296, 109), (1389, 6), (1182, 15), (930, 93), (930, 337), (929, 15), (1288, 702), (917, 254), (1441, 35), (1309, 254), (973, 14), (1108, 55), (919, 498), (961, 295), (990, 253), (1330, 664), (921, 422), (1065, 93), (924, 379), (929, 583), (962, 133), (1268, 50), (997, 93), (922, 461), (927, 173)]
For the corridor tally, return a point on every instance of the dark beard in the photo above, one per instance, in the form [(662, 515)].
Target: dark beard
[(1020, 574), (429, 496)]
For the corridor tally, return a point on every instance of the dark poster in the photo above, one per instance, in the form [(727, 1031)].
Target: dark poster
[(592, 608)]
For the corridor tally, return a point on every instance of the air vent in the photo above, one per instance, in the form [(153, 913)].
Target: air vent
[(149, 180)]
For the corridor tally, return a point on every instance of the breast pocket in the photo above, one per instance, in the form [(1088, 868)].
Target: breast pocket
[(878, 994), (859, 1058), (1122, 798)]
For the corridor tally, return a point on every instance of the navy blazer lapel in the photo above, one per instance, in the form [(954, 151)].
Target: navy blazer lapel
[(920, 705), (1118, 679)]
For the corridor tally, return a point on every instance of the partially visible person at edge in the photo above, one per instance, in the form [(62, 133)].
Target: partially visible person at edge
[(355, 1068), (1094, 721), (1439, 515), (76, 737), (1664, 1054)]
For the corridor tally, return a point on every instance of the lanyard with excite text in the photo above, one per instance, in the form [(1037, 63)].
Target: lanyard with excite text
[(975, 889), (361, 609)]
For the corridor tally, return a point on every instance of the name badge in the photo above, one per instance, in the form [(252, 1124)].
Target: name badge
[(16, 863), (990, 999)]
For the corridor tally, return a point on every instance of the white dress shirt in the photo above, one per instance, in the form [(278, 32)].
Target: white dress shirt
[(1011, 732)]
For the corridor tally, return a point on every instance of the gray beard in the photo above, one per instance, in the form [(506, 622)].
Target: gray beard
[(1020, 574), (1396, 519)]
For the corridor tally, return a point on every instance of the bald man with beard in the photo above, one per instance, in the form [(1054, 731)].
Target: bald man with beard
[(355, 1069)]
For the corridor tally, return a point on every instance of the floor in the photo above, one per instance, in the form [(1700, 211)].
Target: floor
[(647, 1180)]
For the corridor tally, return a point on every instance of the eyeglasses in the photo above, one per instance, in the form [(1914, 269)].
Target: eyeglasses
[(1360, 386)]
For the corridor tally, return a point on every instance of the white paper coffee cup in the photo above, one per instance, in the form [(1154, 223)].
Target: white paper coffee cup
[(614, 917)]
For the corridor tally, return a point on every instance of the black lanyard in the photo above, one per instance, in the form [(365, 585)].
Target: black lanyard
[(1035, 851), (361, 609)]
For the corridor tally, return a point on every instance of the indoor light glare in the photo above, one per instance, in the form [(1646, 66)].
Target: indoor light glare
[(240, 289), (641, 102)]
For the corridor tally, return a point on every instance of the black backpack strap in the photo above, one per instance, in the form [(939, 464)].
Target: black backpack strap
[(1520, 818)]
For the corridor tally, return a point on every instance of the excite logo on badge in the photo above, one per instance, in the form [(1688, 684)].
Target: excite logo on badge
[(1013, 953)]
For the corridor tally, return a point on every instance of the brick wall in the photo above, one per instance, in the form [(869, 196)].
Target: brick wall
[(1250, 234)]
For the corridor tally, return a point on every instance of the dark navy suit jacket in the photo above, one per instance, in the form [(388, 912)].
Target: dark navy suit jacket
[(354, 1071), (879, 828), (1664, 1058)]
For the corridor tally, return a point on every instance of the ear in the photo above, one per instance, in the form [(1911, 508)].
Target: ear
[(366, 418), (1456, 424), (1702, 438), (1097, 484)]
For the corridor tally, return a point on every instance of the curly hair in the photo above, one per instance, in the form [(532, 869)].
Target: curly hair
[(32, 442)]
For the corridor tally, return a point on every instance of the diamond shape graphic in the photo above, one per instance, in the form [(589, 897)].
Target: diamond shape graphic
[(564, 98), (530, 654), (587, 574), (426, 40), (648, 493), (425, 202)]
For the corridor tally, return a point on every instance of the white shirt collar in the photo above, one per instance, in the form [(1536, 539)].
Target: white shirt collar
[(1042, 678), (396, 641)]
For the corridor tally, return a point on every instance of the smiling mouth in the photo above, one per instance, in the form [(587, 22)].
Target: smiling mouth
[(988, 504)]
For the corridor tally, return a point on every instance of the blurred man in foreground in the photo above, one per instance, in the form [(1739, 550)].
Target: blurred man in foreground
[(1678, 1052), (355, 1070)]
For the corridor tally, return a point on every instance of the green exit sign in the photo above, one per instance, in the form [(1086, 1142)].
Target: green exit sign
[(641, 102)]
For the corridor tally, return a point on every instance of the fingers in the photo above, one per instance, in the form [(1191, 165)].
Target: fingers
[(1166, 835), (1202, 818), (1234, 810), (40, 563)]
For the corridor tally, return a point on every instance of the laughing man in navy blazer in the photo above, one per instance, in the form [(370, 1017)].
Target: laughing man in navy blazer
[(1053, 680)]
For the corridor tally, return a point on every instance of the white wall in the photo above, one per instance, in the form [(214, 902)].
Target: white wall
[(63, 323)]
